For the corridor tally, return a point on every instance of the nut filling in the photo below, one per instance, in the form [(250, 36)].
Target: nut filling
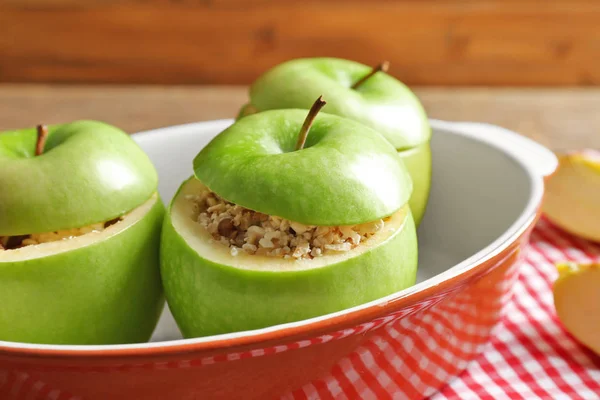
[(252, 232), (16, 242)]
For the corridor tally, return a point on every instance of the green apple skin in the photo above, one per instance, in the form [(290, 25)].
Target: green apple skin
[(208, 298), (108, 292), (89, 172), (418, 163), (347, 173), (382, 103)]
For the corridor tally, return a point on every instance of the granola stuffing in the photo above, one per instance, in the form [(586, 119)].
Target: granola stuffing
[(244, 230), (16, 242)]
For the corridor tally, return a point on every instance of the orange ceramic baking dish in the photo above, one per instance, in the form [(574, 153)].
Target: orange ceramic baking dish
[(488, 186)]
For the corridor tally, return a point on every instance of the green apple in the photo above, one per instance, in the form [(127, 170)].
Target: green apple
[(346, 174), (97, 288), (354, 91)]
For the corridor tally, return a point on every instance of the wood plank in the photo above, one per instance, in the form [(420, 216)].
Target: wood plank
[(557, 118), (449, 42)]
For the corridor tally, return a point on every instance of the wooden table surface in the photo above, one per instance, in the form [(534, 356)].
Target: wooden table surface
[(557, 118)]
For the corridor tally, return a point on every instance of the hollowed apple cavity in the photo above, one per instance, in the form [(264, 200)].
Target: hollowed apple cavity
[(16, 242), (577, 301), (241, 229), (16, 248), (218, 230)]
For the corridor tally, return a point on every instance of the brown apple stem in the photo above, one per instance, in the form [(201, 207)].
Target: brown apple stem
[(42, 135), (382, 67), (310, 118)]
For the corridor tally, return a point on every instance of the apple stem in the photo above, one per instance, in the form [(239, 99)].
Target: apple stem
[(310, 118), (42, 135), (382, 67)]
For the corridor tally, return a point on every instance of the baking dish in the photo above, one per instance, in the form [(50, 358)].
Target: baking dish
[(488, 185)]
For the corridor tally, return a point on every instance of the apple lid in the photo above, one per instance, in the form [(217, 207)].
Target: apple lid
[(89, 172), (381, 102), (346, 174)]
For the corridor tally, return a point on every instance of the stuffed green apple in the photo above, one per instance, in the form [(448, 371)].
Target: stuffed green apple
[(80, 223), (272, 230), (358, 92)]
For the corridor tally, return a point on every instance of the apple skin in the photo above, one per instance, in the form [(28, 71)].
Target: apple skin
[(418, 163), (347, 173), (382, 103), (208, 298), (108, 292), (90, 172)]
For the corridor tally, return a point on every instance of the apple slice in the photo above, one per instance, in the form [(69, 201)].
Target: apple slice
[(98, 288), (573, 194), (577, 302), (211, 292)]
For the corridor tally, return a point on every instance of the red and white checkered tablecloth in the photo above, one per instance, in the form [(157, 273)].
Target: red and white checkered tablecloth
[(530, 355)]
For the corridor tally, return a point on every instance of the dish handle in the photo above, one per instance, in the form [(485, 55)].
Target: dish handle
[(540, 158)]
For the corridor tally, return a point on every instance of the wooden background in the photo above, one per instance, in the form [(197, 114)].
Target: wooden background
[(561, 118), (429, 42)]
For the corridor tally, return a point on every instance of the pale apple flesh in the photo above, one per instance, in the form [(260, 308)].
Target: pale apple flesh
[(572, 199), (211, 292), (577, 302), (102, 287)]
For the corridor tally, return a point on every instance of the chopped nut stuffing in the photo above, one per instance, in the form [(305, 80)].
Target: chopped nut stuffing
[(15, 242), (244, 230)]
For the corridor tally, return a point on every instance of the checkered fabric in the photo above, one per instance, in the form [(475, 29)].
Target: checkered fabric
[(530, 355)]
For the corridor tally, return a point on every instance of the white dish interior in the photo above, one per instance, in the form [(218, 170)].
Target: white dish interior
[(487, 184), (478, 193)]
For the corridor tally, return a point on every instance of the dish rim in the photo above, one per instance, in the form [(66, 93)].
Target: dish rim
[(470, 266)]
